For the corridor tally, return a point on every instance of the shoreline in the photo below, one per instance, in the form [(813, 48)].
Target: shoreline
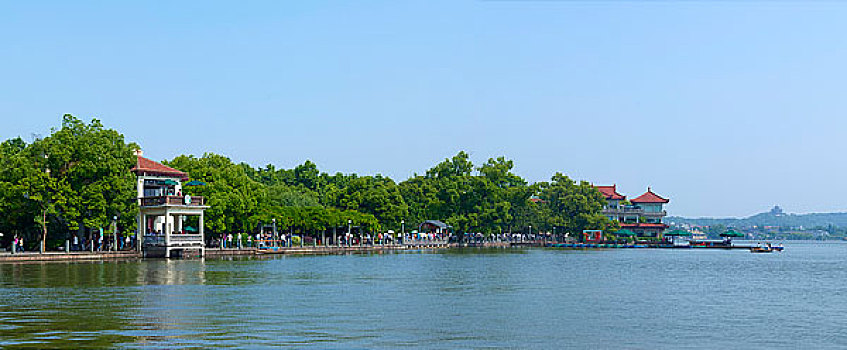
[(7, 257)]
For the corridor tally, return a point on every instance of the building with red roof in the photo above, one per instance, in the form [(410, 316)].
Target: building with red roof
[(147, 167), (650, 198), (164, 210), (611, 192), (642, 215)]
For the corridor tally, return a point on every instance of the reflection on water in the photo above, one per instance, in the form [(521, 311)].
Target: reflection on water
[(171, 272), (462, 298)]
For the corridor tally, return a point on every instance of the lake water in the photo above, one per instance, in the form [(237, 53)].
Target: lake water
[(448, 299)]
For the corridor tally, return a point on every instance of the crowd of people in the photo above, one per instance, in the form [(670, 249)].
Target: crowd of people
[(94, 242), (107, 242), (281, 239), (103, 242)]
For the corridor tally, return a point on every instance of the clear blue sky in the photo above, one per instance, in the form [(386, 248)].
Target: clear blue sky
[(725, 107)]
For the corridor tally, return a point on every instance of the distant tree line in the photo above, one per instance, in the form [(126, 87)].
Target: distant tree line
[(78, 178), (793, 221)]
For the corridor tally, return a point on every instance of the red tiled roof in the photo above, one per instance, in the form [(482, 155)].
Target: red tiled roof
[(610, 192), (150, 167), (650, 197)]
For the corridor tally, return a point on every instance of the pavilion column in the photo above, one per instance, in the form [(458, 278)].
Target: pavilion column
[(202, 237), (179, 223), (200, 228), (167, 233), (139, 232)]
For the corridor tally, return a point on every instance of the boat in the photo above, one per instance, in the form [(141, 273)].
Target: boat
[(766, 249), (711, 243)]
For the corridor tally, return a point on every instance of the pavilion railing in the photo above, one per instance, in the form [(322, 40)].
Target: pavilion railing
[(186, 238), (172, 200), (622, 211), (414, 242), (154, 240), (175, 238)]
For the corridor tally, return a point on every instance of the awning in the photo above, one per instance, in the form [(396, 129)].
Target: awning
[(195, 183), (436, 223), (625, 232), (677, 233), (732, 233)]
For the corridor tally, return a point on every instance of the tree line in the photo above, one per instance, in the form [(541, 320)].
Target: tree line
[(77, 179)]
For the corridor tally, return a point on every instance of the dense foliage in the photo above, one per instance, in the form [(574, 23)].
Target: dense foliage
[(78, 179)]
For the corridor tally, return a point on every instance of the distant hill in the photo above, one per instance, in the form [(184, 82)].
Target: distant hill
[(775, 217)]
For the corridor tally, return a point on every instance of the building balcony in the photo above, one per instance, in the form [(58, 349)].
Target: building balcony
[(622, 210), (157, 201), (632, 211)]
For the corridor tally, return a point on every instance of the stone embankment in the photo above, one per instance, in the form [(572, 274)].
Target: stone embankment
[(72, 256), (217, 252)]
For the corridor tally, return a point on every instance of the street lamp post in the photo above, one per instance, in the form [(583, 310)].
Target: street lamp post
[(349, 230), (530, 232), (402, 230), (114, 233)]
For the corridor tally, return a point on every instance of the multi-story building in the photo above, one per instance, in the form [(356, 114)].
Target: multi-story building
[(642, 215), (164, 211)]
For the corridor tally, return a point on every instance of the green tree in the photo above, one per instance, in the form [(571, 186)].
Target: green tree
[(575, 206), (233, 196), (76, 177)]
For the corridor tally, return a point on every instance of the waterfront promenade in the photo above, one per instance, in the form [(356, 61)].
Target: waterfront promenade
[(63, 256), (7, 257)]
